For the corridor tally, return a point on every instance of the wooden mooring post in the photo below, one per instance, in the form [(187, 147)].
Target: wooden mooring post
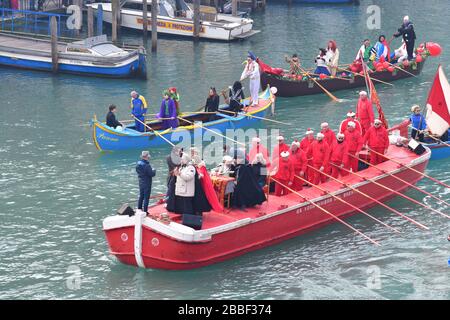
[(54, 40), (145, 20), (90, 13), (234, 7), (196, 19), (115, 8), (154, 25), (100, 20)]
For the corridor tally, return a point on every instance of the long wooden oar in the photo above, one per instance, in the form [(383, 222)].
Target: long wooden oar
[(398, 193), (373, 79), (372, 199), (403, 70), (403, 181), (430, 136), (320, 86), (156, 132), (412, 169), (348, 204), (256, 117), (207, 129), (326, 211)]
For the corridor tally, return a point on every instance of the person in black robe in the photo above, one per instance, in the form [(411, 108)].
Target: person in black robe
[(173, 162), (111, 120), (236, 94), (247, 193), (201, 203)]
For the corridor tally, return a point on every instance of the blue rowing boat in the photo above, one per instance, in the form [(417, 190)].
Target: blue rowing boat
[(110, 139), (439, 151)]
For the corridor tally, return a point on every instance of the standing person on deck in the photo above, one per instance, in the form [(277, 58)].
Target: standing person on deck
[(364, 112), (278, 149), (332, 57), (338, 156), (409, 36), (111, 120), (300, 162), (258, 148), (304, 145), (138, 107), (175, 96), (355, 143), (377, 139), (319, 151), (418, 123), (322, 63), (251, 71), (330, 136), (294, 63), (168, 112), (351, 117), (145, 174), (284, 173), (212, 103)]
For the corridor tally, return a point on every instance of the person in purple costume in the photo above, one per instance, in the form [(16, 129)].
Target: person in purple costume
[(168, 112)]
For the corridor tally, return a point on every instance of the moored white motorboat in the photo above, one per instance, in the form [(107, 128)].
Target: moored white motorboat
[(175, 18)]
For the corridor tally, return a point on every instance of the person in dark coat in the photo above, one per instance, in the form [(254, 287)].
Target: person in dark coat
[(173, 162), (212, 103), (145, 174), (247, 193), (235, 95), (409, 36), (111, 120)]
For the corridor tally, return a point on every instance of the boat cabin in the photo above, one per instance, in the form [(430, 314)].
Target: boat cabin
[(166, 8)]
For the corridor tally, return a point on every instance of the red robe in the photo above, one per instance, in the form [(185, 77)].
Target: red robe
[(208, 188), (300, 163), (330, 136), (285, 174), (319, 151), (278, 149), (378, 140), (304, 145), (344, 125), (338, 156), (364, 112), (258, 148), (354, 141)]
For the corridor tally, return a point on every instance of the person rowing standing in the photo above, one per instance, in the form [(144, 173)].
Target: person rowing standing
[(251, 71), (138, 107), (168, 112), (409, 36), (294, 63), (418, 123)]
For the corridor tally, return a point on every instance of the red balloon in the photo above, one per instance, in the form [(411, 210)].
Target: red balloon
[(391, 69), (419, 58), (434, 49), (379, 69), (375, 64), (406, 63), (322, 76), (361, 72), (382, 59), (386, 65)]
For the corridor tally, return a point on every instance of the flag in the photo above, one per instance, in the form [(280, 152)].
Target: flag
[(438, 110), (375, 100)]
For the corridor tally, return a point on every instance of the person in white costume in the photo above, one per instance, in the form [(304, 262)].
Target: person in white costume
[(251, 71)]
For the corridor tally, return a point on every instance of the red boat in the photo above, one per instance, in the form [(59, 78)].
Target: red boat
[(146, 241)]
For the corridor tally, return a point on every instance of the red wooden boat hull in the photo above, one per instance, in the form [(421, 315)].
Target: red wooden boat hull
[(295, 88), (176, 247)]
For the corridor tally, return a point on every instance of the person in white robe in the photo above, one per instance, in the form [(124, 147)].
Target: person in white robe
[(251, 71)]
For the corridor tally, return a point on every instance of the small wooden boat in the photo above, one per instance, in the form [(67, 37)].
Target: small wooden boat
[(176, 19), (147, 242), (299, 86), (109, 139), (91, 57)]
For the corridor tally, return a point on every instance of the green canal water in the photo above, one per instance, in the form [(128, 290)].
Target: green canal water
[(56, 188)]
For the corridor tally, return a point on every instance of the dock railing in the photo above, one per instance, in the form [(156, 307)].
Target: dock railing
[(36, 22)]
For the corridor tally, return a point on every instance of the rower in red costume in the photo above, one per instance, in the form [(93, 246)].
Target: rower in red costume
[(300, 161), (283, 173), (377, 139), (351, 116), (364, 112), (256, 148), (339, 156), (319, 151), (330, 136), (278, 149), (354, 142), (304, 145)]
